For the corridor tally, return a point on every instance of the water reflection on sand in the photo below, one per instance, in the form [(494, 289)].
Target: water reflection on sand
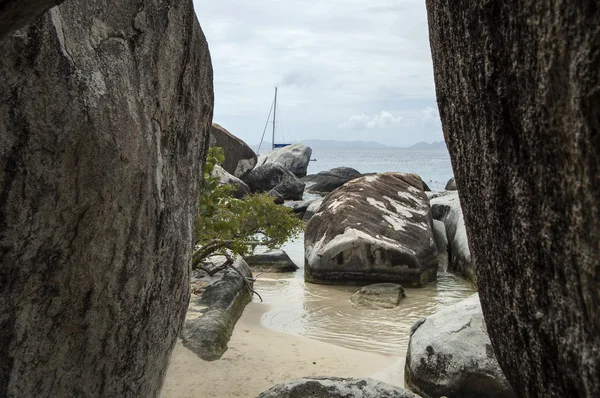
[(325, 312)]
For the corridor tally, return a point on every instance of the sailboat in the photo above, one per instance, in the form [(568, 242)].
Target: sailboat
[(274, 145)]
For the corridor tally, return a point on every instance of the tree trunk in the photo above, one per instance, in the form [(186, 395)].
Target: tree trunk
[(105, 110), (518, 87)]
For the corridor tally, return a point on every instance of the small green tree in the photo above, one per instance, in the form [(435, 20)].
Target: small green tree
[(238, 225)]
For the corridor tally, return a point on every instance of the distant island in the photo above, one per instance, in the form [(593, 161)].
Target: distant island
[(337, 144), (428, 145)]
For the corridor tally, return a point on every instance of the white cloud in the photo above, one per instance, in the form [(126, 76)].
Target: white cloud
[(431, 115), (361, 122)]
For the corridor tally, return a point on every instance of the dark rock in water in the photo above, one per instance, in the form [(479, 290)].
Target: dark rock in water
[(451, 185), (518, 92), (327, 181), (379, 295), (450, 354), (312, 209), (270, 176), (105, 112), (15, 14), (271, 261), (299, 206), (335, 387), (373, 229), (447, 209), (214, 310), (241, 189), (239, 157), (293, 157), (425, 186)]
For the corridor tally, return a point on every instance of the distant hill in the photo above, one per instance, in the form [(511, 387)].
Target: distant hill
[(428, 145), (330, 144)]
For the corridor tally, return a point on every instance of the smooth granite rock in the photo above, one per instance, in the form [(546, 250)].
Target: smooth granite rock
[(327, 181), (215, 309), (375, 228), (450, 354), (268, 176), (294, 157), (446, 208), (451, 185), (241, 188)]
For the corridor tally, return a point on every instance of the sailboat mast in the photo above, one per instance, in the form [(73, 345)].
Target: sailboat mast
[(274, 111)]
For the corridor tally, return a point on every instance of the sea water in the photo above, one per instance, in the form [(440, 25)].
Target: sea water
[(433, 166), (325, 312)]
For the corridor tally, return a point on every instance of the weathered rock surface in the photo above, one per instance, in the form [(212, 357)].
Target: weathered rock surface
[(241, 189), (214, 310), (105, 112), (518, 92), (446, 208), (312, 209), (270, 176), (15, 14), (271, 261), (293, 157), (327, 181), (451, 185), (450, 354), (379, 295), (239, 157), (335, 387), (373, 229)]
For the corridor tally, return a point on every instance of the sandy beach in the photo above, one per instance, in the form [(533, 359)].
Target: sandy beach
[(259, 358)]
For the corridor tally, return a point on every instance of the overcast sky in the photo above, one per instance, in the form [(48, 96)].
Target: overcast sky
[(346, 69)]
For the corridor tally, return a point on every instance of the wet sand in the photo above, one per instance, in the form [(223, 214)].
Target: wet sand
[(259, 358)]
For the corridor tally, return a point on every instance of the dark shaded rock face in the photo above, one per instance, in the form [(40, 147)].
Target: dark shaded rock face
[(327, 181), (518, 90), (104, 118), (373, 229), (451, 185), (216, 304), (335, 387), (14, 14), (271, 261), (449, 354), (270, 176), (379, 295), (239, 157)]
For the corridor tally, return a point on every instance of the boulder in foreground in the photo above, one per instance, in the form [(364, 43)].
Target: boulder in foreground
[(217, 303), (379, 295), (376, 228), (241, 188), (335, 387), (450, 354)]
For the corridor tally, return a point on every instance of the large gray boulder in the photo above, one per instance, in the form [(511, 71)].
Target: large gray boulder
[(373, 229), (518, 92), (217, 303), (450, 354), (271, 261), (293, 157), (312, 209), (105, 112), (239, 157), (335, 387), (451, 185), (241, 188), (14, 14), (446, 208), (273, 176), (327, 181)]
